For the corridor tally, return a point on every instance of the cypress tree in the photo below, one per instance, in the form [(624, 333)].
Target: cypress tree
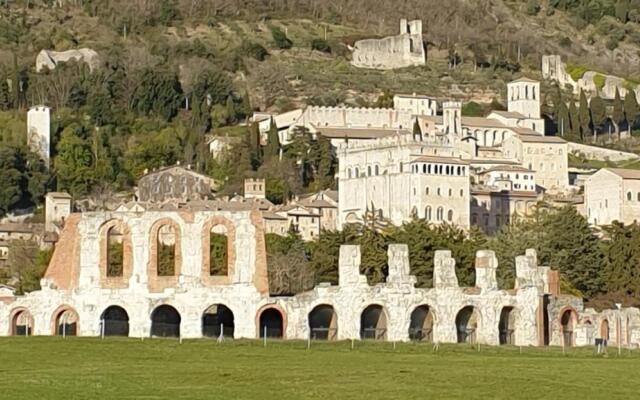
[(630, 108), (5, 95), (584, 116), (618, 112), (231, 110), (272, 149), (598, 111), (254, 145), (575, 120), (417, 131)]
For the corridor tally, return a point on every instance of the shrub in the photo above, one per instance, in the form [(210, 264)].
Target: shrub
[(472, 109), (254, 50), (599, 80), (320, 45), (576, 71), (280, 39)]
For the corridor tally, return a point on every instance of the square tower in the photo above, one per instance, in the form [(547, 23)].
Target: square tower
[(57, 209), (254, 188), (452, 117), (39, 131), (523, 96)]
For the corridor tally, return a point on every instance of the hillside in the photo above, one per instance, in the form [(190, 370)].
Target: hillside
[(174, 71)]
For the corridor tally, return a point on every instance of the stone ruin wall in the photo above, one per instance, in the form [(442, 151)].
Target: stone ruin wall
[(49, 59), (554, 69), (403, 50), (246, 296)]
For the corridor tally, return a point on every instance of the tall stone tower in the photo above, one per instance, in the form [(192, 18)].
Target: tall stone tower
[(452, 117), (254, 188), (524, 97), (57, 209), (39, 131)]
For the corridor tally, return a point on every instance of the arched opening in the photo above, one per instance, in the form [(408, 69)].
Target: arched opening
[(506, 326), (218, 319), (604, 330), (218, 251), (67, 322), (421, 326), (166, 251), (568, 322), (271, 323), (115, 321), (165, 322), (22, 323), (323, 323), (115, 253), (467, 325), (373, 323)]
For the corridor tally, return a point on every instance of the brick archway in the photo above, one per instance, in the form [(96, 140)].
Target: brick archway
[(115, 282), (13, 317), (568, 323), (58, 312), (277, 308), (155, 282)]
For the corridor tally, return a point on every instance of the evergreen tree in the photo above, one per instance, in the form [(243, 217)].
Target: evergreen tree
[(618, 112), (563, 119), (272, 148), (574, 116), (231, 110), (621, 259), (10, 176), (254, 145), (598, 111), (630, 108), (417, 131), (325, 163), (247, 110), (584, 115), (5, 95)]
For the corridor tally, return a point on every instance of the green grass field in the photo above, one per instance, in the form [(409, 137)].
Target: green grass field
[(88, 368)]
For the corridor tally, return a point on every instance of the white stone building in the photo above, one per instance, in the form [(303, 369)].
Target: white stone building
[(108, 277), (57, 206), (613, 194), (415, 104)]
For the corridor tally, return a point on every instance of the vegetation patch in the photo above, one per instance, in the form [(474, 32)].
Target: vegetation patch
[(576, 71)]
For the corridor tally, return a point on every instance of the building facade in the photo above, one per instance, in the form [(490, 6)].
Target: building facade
[(613, 194)]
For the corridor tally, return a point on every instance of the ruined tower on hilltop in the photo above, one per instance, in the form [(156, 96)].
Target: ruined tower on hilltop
[(403, 50)]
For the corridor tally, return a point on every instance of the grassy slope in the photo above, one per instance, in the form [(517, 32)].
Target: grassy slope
[(84, 368)]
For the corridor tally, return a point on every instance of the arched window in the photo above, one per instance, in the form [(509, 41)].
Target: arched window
[(459, 171), (450, 215), (461, 192), (115, 252), (429, 168), (424, 168), (629, 196), (218, 251), (450, 192), (349, 173), (638, 196), (438, 191), (426, 191), (427, 213), (440, 214), (369, 171), (357, 175), (377, 170), (166, 251)]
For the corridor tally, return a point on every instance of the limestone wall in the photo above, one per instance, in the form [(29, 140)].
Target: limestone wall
[(601, 154), (49, 59), (554, 69)]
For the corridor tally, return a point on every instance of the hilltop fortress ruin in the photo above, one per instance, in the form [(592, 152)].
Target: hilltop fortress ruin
[(403, 50)]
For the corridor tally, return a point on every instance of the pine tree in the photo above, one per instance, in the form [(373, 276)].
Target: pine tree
[(618, 112), (247, 110), (621, 274), (272, 148)]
